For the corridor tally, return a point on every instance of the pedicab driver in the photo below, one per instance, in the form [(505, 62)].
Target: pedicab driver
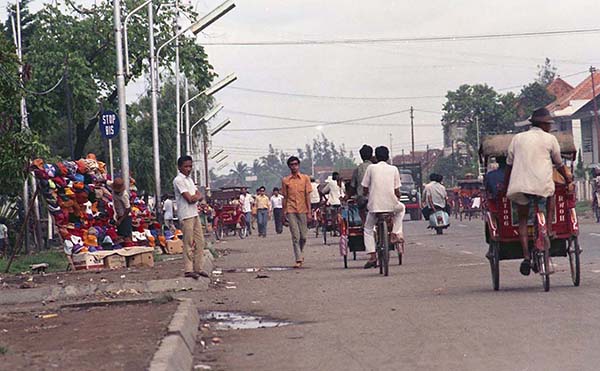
[(529, 165), (381, 184)]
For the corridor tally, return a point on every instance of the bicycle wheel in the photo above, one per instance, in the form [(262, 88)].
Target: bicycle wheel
[(494, 258), (385, 249), (324, 234), (574, 251), (243, 231), (345, 261), (543, 262)]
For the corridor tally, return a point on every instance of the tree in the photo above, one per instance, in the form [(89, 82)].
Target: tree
[(546, 73), (77, 46), (141, 158), (239, 172), (479, 104)]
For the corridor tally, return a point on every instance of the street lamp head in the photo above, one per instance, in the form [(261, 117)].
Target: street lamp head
[(220, 127), (212, 113), (213, 89), (211, 17)]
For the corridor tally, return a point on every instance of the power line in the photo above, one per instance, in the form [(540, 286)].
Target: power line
[(321, 123), (510, 35)]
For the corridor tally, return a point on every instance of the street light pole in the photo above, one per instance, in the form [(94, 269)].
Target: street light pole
[(154, 100), (121, 94), (412, 133), (177, 87)]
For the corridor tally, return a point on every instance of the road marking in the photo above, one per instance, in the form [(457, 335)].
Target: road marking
[(595, 234), (471, 264), (466, 252), (463, 225), (419, 244), (595, 271)]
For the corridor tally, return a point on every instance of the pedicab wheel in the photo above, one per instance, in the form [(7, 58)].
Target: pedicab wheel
[(354, 255), (494, 259), (345, 261), (243, 232), (220, 232), (574, 251), (543, 261), (385, 251), (380, 259), (324, 235)]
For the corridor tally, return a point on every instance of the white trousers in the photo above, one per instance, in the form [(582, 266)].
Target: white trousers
[(369, 228)]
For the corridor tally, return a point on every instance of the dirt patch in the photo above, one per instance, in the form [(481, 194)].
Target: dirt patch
[(122, 337), (172, 268)]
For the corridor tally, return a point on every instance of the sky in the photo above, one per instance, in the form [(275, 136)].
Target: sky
[(416, 73)]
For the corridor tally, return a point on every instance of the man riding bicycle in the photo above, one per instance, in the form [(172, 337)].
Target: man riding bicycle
[(531, 156), (381, 184)]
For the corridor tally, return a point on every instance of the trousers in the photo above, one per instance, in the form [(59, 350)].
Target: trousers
[(193, 245), (299, 231), (278, 218), (369, 228), (262, 216)]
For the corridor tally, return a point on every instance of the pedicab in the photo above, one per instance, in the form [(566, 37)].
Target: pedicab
[(352, 236), (228, 218), (501, 220), (329, 221)]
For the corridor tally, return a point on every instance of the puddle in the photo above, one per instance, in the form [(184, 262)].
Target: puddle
[(241, 321), (254, 269)]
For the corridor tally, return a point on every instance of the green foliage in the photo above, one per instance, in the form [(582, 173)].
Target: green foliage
[(55, 258), (454, 168), (546, 73), (141, 158), (469, 104), (579, 169), (77, 44), (3, 350), (17, 148), (532, 97)]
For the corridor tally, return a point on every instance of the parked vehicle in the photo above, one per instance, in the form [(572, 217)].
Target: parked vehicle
[(411, 188)]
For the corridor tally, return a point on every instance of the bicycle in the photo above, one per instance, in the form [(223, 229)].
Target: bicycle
[(383, 243), (540, 254)]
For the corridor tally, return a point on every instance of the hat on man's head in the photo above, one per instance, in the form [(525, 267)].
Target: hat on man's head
[(542, 116)]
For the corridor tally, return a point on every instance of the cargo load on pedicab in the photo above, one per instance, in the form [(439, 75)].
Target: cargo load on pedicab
[(501, 219)]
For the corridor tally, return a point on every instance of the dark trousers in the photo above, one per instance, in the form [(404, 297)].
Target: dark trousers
[(427, 210), (278, 217)]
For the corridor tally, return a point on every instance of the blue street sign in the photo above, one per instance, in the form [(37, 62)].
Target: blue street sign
[(109, 124)]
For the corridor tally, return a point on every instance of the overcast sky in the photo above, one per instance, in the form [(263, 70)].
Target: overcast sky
[(402, 69)]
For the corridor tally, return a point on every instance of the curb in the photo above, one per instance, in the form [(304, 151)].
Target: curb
[(25, 296), (176, 350)]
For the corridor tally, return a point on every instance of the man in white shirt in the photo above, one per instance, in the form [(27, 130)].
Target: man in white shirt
[(434, 196), (381, 184), (168, 212), (277, 207), (333, 190), (3, 237), (187, 197), (246, 200), (531, 156)]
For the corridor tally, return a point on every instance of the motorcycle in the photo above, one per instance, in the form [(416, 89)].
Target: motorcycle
[(439, 220)]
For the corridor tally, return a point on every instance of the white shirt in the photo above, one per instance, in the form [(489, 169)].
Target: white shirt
[(333, 197), (277, 202), (382, 180), (168, 208), (182, 184), (531, 155), (437, 192), (3, 231), (246, 200), (315, 198)]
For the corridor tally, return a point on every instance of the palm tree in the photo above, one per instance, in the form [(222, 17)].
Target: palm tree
[(239, 171)]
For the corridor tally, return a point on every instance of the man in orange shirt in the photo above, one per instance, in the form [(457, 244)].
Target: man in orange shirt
[(296, 189)]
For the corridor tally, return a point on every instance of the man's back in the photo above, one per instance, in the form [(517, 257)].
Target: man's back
[(531, 155), (437, 192), (382, 180)]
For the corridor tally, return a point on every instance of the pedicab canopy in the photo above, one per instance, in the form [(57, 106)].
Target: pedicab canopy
[(497, 145)]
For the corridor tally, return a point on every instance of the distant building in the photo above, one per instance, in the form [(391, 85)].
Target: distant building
[(574, 112), (427, 159)]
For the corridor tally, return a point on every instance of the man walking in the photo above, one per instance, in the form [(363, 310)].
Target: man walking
[(169, 213), (246, 200), (381, 184), (277, 208), (296, 190), (531, 156), (263, 211), (187, 197), (3, 237)]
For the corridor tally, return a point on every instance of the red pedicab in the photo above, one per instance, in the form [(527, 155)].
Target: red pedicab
[(501, 220)]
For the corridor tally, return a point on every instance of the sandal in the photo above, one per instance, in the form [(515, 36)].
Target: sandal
[(298, 264), (525, 268)]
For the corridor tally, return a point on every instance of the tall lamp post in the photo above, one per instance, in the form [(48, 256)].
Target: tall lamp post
[(213, 89)]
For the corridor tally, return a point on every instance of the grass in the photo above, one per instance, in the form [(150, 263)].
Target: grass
[(3, 350), (55, 258)]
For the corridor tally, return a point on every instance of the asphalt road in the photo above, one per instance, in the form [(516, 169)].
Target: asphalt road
[(435, 312)]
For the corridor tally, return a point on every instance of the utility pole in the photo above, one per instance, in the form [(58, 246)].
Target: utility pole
[(205, 148), (479, 173), (177, 87), (121, 94), (596, 122), (412, 132), (391, 155)]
